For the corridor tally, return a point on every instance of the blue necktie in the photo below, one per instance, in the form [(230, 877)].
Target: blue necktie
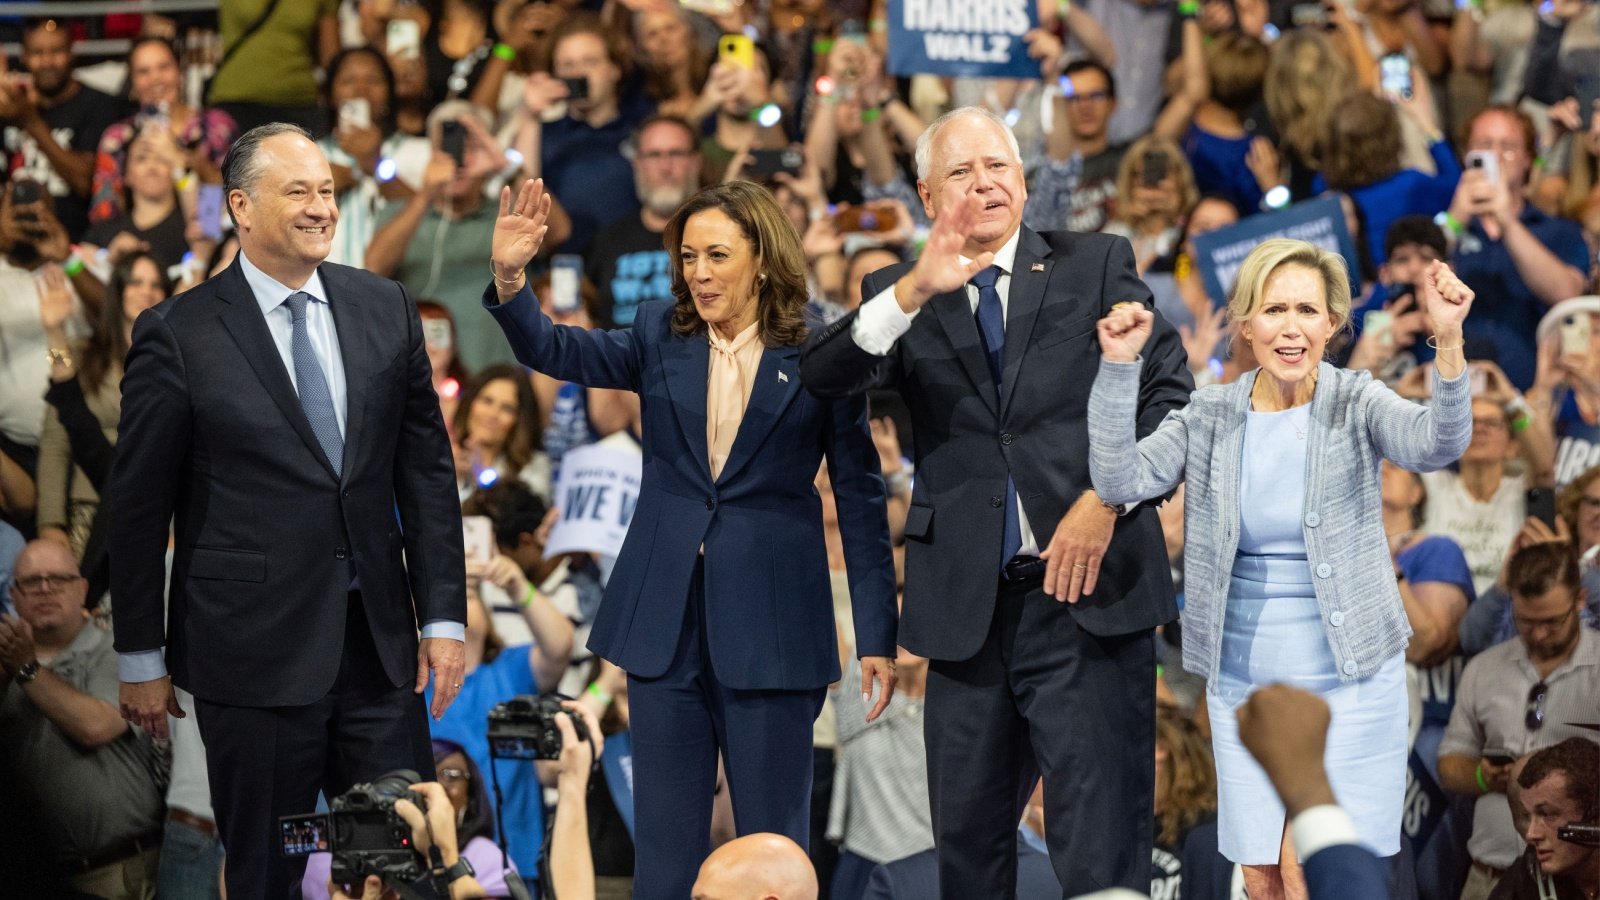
[(992, 329), (312, 383)]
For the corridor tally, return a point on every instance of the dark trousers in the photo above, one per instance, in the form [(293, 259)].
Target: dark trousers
[(680, 721), (1042, 697), (267, 762)]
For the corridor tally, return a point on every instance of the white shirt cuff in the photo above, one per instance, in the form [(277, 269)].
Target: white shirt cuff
[(145, 665), (444, 628), (880, 322), (1321, 827)]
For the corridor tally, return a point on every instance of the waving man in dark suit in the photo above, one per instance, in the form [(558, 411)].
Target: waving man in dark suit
[(990, 338), (280, 418)]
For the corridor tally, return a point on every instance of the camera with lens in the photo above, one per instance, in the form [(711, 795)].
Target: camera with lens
[(524, 727), (362, 831)]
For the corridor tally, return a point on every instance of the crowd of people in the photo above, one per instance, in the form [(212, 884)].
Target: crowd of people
[(761, 269)]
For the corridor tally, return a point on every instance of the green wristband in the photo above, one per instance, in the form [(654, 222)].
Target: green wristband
[(1188, 8), (504, 51), (594, 690), (1521, 423), (1454, 224), (527, 598), (1483, 784), (72, 266), (871, 114)]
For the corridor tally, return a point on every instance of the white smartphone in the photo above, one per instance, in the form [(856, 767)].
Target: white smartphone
[(355, 113), (1575, 334), (404, 39), (477, 534), (1380, 324), (1485, 160)]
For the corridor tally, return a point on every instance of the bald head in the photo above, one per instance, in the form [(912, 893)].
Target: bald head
[(757, 867), (48, 591)]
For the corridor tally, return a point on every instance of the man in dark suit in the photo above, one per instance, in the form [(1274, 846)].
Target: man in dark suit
[(1034, 601), (280, 418)]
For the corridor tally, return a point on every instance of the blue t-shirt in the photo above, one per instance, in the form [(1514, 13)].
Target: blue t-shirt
[(1577, 442), (465, 722), (1219, 167), (1436, 822), (1509, 313), (584, 166)]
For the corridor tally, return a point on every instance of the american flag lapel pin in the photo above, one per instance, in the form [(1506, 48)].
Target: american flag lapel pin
[(1036, 267), (783, 378)]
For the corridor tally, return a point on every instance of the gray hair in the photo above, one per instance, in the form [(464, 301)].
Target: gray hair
[(924, 151), (242, 167)]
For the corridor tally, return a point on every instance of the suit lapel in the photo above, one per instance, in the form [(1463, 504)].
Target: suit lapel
[(685, 361), (954, 312), (241, 315), (1022, 306), (349, 322), (777, 382)]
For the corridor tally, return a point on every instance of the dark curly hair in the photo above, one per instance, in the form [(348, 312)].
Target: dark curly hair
[(782, 294), (1578, 758)]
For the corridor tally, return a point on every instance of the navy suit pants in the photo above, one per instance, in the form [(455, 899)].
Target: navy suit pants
[(680, 722)]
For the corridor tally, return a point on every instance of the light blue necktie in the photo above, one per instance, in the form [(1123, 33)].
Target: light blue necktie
[(312, 383), (992, 329)]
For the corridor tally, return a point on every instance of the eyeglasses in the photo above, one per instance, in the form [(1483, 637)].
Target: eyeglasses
[(39, 585), (452, 775), (1495, 423), (1533, 720), (1536, 624), (1098, 96), (665, 156)]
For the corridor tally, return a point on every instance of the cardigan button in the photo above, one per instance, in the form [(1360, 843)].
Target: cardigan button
[(1350, 667), (1336, 618), (1324, 570), (1313, 520)]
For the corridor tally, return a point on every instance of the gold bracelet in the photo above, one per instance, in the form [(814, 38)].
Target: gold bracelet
[(1433, 342), (498, 280)]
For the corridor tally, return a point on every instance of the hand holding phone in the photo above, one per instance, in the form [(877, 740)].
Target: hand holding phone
[(1394, 75), (477, 534), (1485, 161), (737, 50)]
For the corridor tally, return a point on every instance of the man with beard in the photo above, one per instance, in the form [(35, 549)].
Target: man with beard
[(627, 261), (53, 126), (1530, 692)]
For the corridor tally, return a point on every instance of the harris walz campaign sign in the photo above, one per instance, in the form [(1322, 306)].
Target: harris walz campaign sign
[(961, 38)]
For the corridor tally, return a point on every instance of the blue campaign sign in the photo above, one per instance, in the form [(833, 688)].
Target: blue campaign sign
[(962, 38), (1218, 254)]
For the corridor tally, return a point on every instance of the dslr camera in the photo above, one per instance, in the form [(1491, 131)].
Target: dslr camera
[(524, 727), (362, 831)]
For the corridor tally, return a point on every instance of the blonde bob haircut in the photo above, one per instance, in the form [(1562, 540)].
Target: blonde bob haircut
[(1249, 291)]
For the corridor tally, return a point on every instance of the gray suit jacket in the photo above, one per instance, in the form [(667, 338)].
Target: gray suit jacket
[(1355, 423)]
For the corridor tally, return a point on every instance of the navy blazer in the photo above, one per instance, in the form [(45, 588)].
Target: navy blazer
[(968, 441), (213, 441), (769, 610)]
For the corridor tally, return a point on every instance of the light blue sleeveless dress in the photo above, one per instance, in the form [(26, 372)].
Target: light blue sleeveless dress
[(1272, 632)]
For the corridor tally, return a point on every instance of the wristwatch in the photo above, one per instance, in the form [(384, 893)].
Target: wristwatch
[(461, 869), (28, 672)]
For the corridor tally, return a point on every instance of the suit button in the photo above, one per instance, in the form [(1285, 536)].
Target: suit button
[(345, 494), (1350, 667), (996, 502), (1336, 618), (1324, 570), (710, 504), (1005, 438), (340, 553), (1313, 520)]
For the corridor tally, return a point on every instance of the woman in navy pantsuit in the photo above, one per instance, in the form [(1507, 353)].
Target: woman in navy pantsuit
[(719, 606)]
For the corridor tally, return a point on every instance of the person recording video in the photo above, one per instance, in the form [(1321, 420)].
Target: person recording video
[(1560, 809)]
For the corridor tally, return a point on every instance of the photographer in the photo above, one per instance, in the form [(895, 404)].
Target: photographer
[(435, 828), (1560, 787)]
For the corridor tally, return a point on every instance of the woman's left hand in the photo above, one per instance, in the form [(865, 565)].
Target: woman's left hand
[(881, 670), (519, 230), (1445, 299)]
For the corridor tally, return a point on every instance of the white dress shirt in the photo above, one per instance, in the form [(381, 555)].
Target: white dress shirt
[(881, 322)]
